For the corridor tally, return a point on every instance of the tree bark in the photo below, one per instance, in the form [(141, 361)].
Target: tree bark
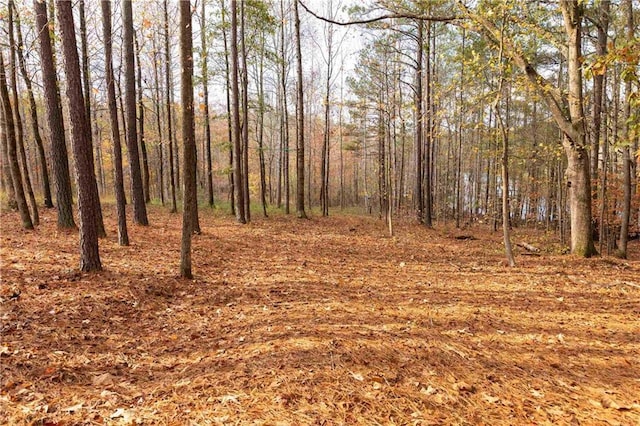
[(300, 118), (260, 127), (419, 127), (232, 201), (88, 203), (12, 154), (626, 150), (167, 63), (189, 141), (244, 81), (59, 155), (46, 185), (143, 144), (19, 130), (123, 235), (205, 93), (137, 193), (235, 112)]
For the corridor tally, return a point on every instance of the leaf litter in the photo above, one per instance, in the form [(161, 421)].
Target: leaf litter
[(309, 322)]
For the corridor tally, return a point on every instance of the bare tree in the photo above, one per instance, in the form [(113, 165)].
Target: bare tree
[(139, 206), (235, 112), (46, 185), (12, 153), (205, 94), (59, 156), (88, 203), (189, 140), (123, 236), (300, 127)]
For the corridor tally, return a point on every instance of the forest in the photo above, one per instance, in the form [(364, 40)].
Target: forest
[(319, 212)]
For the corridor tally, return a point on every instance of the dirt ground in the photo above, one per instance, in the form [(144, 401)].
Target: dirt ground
[(325, 321)]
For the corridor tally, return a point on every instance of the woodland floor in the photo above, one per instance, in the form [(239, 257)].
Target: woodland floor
[(322, 321)]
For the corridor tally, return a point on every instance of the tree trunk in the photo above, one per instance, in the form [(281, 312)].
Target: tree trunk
[(628, 143), (86, 82), (46, 185), (189, 140), (300, 127), (260, 125), (88, 203), (205, 92), (285, 115), (19, 131), (137, 191), (417, 100), (244, 81), (59, 156), (578, 170), (598, 89), (12, 154), (157, 102), (235, 112), (167, 63), (143, 145), (232, 201), (123, 235)]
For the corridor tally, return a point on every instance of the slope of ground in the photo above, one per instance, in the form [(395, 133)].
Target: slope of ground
[(322, 321)]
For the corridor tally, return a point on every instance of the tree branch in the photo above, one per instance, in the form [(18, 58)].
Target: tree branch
[(380, 18)]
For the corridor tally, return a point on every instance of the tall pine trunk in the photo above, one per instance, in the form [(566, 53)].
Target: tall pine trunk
[(235, 112), (205, 93), (167, 63), (12, 152), (88, 203), (189, 140), (300, 120), (137, 193), (59, 155), (123, 235), (46, 185)]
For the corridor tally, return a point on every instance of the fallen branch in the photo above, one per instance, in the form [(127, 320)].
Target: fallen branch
[(528, 247)]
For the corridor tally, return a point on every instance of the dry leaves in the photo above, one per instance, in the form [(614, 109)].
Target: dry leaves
[(299, 322)]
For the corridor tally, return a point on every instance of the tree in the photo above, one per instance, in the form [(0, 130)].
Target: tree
[(139, 206), (167, 63), (300, 120), (88, 202), (236, 135), (626, 152), (12, 154), (141, 139), (123, 236), (59, 156), (189, 141), (35, 128), (571, 120), (205, 93), (19, 130)]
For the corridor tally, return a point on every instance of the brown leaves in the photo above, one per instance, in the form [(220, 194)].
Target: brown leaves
[(297, 321)]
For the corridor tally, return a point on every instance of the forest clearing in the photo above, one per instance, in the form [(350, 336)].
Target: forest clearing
[(320, 321)]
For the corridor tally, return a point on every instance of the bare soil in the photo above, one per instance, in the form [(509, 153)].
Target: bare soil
[(324, 321)]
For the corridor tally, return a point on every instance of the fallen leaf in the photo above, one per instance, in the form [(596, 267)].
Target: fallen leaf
[(73, 408), (229, 398), (537, 394), (429, 390), (105, 379), (490, 399), (121, 413), (357, 376)]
